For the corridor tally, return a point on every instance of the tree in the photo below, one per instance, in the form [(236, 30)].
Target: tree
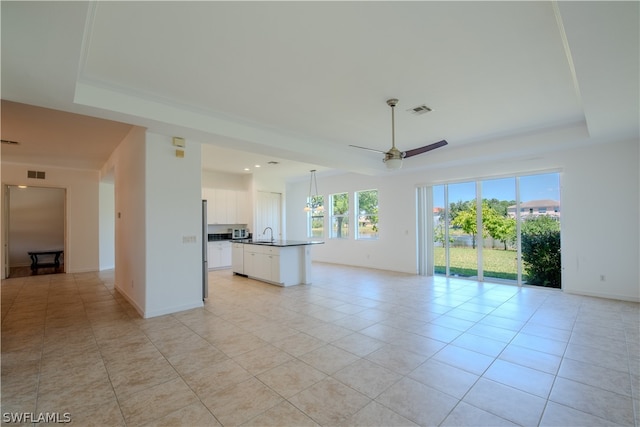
[(456, 207), (368, 206), (466, 220), (340, 208), (500, 206), (500, 227)]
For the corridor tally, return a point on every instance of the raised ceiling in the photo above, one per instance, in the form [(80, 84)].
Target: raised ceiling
[(300, 81)]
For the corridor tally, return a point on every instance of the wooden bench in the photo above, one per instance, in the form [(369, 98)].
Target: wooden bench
[(36, 263)]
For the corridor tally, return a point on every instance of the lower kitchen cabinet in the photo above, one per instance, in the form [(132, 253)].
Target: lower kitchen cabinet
[(277, 265), (219, 255), (237, 258)]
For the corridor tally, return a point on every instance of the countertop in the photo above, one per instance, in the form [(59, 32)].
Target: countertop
[(280, 243)]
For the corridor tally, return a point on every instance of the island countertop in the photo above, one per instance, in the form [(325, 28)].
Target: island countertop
[(279, 243)]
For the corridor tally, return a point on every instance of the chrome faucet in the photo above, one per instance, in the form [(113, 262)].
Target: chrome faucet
[(269, 228)]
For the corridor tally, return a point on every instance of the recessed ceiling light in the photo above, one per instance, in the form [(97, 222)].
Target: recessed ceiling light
[(257, 166), (247, 169)]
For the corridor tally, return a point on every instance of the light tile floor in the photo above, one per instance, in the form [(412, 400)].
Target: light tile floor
[(357, 348)]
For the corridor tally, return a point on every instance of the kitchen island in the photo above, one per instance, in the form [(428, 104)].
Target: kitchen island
[(278, 262)]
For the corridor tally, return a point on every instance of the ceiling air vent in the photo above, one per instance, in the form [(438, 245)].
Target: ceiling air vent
[(421, 109), (35, 174)]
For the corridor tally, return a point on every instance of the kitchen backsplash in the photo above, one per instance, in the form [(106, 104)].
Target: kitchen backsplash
[(223, 228)]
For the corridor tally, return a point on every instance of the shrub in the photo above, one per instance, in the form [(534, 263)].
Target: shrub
[(541, 257)]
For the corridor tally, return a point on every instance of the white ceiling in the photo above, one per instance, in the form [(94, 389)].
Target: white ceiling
[(298, 82)]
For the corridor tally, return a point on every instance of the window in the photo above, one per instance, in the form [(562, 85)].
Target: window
[(367, 213), (315, 217), (340, 216)]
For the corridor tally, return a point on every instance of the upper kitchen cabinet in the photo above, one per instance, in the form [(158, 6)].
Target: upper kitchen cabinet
[(243, 206), (226, 206)]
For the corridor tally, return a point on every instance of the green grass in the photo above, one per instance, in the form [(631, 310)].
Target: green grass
[(498, 263)]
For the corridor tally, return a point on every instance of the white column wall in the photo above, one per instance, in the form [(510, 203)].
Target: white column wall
[(173, 207), (158, 207), (128, 165)]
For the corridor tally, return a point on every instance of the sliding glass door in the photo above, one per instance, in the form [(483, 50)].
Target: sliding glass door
[(505, 229), (499, 248), (463, 230)]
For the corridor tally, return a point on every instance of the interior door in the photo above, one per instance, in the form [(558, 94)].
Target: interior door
[(268, 214)]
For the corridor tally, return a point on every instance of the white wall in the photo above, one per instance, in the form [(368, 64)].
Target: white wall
[(173, 214), (128, 165), (600, 215), (228, 181), (158, 209), (81, 251), (395, 248), (107, 221), (36, 222), (601, 221)]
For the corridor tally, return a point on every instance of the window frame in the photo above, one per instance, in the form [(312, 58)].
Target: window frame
[(359, 214), (314, 214), (333, 233)]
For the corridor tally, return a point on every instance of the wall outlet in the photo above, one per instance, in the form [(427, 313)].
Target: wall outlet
[(188, 239)]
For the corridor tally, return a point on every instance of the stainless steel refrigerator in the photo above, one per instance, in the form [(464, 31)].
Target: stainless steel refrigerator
[(205, 261)]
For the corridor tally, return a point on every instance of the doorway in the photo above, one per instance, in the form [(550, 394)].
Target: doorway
[(35, 223)]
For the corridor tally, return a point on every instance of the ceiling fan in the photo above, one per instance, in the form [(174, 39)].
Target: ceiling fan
[(393, 157)]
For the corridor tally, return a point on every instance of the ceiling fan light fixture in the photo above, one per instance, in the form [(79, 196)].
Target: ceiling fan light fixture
[(393, 157), (393, 163)]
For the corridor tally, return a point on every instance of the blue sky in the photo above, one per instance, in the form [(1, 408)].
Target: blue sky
[(532, 187)]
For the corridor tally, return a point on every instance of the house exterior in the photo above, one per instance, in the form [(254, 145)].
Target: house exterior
[(536, 208)]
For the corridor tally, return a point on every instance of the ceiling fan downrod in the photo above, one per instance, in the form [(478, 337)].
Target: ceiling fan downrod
[(392, 103)]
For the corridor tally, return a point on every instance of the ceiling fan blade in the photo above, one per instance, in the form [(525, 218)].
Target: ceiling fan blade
[(416, 151), (367, 148)]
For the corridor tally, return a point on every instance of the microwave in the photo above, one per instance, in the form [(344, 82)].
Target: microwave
[(239, 233)]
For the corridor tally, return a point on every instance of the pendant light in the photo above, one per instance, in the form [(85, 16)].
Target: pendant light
[(313, 180)]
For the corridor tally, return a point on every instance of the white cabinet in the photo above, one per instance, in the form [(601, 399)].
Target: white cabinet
[(282, 266), (227, 206), (220, 215), (219, 254), (243, 208), (209, 195), (231, 211), (237, 258), (259, 262)]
